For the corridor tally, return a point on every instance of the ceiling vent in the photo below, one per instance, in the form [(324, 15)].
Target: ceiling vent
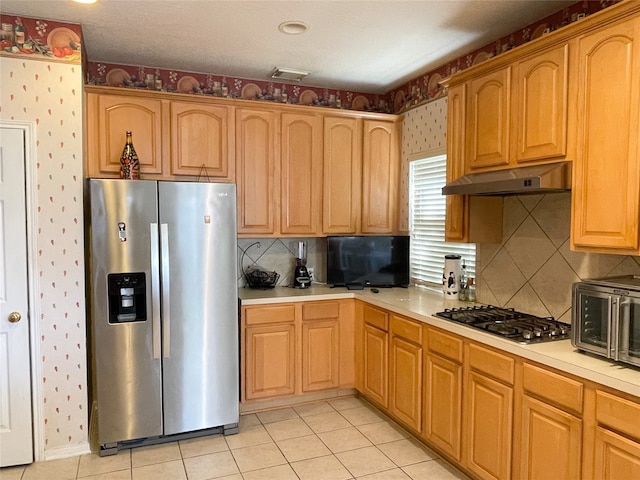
[(288, 74)]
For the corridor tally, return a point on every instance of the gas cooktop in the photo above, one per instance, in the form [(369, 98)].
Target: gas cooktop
[(508, 323)]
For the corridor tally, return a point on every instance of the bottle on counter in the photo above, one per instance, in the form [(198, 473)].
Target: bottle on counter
[(462, 288), (471, 290), (129, 163)]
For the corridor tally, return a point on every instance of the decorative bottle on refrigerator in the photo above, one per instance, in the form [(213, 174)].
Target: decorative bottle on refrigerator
[(129, 164)]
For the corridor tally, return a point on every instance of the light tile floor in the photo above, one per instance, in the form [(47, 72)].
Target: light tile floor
[(338, 439)]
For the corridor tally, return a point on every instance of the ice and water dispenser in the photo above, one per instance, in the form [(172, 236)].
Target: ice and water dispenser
[(127, 297)]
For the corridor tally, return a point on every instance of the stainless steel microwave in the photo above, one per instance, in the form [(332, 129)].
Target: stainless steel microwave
[(606, 317)]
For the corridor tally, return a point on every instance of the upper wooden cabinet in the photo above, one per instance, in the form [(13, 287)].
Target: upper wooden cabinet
[(540, 105), (488, 121), (606, 184), (109, 117), (361, 175), (342, 175), (256, 171), (172, 138), (202, 139), (300, 170), (380, 171)]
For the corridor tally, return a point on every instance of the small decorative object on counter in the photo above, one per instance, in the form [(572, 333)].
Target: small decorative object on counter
[(471, 290), (451, 275), (462, 292), (129, 163)]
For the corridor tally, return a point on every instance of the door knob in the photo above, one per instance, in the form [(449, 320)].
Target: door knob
[(14, 317)]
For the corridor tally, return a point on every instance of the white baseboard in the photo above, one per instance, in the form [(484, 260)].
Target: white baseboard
[(66, 452)]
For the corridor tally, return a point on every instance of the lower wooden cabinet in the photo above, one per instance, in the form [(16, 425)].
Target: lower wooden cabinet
[(443, 392), (405, 372), (616, 441), (488, 412), (488, 426), (296, 348), (551, 442), (320, 346), (269, 342), (375, 375), (270, 357), (615, 456)]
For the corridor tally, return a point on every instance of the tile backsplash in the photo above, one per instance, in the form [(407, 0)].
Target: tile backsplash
[(279, 255), (532, 270)]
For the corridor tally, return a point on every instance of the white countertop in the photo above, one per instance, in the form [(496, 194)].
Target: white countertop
[(421, 304)]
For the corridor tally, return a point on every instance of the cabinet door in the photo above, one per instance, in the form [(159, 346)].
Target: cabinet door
[(301, 168), (202, 140), (320, 354), (270, 357), (549, 433), (380, 167), (375, 374), (256, 170), (342, 175), (443, 404), (616, 457), (457, 207), (606, 182), (109, 117), (540, 110), (405, 378), (488, 423), (488, 118)]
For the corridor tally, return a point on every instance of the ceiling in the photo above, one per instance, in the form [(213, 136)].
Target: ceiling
[(366, 46)]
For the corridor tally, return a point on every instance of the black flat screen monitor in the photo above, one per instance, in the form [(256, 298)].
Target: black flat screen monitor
[(369, 261)]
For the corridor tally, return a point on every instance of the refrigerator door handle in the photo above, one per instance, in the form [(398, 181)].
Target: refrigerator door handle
[(166, 289), (155, 289)]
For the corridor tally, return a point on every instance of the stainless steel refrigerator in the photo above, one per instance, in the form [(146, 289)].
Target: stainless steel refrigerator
[(163, 310)]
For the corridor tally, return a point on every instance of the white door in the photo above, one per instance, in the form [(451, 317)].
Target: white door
[(15, 373)]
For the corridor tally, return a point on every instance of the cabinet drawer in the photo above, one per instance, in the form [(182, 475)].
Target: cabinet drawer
[(445, 345), (376, 318), (321, 310), (412, 331), (272, 314), (618, 413), (559, 390), (492, 363)]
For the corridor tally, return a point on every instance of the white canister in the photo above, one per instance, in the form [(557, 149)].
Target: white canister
[(451, 275)]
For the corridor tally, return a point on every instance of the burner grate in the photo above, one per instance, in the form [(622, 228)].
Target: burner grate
[(508, 323)]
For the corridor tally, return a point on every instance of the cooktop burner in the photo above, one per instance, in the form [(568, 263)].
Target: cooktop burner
[(508, 323)]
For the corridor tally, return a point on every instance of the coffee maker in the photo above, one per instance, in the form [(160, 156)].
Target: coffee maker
[(301, 277)]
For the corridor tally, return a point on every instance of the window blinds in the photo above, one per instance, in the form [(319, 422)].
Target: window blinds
[(427, 216)]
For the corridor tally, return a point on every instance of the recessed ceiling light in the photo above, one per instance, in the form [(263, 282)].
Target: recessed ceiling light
[(288, 74), (85, 1), (293, 27)]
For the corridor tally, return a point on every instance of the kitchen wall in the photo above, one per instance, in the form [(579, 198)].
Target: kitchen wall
[(533, 268), (49, 93)]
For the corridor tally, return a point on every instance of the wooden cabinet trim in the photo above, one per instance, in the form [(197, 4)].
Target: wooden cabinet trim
[(269, 314), (618, 414), (492, 363), (445, 344), (558, 389), (376, 317), (406, 329), (320, 310)]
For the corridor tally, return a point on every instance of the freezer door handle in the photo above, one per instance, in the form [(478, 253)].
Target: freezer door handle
[(166, 289), (155, 289)]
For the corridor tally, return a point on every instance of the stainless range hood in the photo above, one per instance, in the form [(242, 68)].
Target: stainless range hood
[(547, 178)]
